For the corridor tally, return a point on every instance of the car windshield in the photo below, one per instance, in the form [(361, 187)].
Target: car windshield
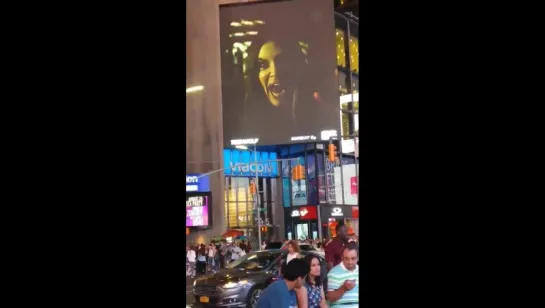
[(255, 261), (307, 248)]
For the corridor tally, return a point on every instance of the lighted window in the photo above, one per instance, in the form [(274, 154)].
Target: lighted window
[(344, 119), (354, 54), (238, 202), (341, 54)]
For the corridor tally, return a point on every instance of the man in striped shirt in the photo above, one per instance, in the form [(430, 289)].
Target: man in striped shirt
[(343, 280)]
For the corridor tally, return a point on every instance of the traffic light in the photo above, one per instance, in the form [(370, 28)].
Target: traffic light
[(332, 152), (252, 188), (263, 228), (301, 172), (298, 172)]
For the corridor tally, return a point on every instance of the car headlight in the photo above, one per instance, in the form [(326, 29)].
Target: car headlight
[(231, 285)]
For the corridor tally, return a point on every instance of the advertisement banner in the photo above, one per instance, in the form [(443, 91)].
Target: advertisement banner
[(196, 183), (321, 178), (312, 180), (239, 163), (350, 183), (278, 72), (197, 207), (299, 186), (286, 192)]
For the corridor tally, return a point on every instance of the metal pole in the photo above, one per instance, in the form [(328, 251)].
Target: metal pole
[(356, 166), (257, 199), (351, 104), (341, 169)]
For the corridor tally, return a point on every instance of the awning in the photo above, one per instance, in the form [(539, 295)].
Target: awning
[(232, 233)]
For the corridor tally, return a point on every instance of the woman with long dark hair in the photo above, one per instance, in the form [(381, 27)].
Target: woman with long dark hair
[(312, 295), (281, 87), (201, 259)]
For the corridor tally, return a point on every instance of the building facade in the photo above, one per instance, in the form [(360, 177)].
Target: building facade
[(292, 205)]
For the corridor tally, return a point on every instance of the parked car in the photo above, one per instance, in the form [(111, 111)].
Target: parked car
[(274, 245), (242, 282), (308, 247)]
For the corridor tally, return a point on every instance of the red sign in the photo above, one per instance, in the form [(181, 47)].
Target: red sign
[(354, 185), (355, 212), (304, 212)]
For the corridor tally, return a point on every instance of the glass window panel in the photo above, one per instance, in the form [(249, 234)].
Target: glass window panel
[(341, 53), (354, 54), (343, 89)]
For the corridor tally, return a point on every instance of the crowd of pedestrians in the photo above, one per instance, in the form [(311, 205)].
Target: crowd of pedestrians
[(202, 259), (301, 284)]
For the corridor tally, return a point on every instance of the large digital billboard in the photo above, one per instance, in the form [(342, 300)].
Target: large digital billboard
[(279, 83), (197, 209)]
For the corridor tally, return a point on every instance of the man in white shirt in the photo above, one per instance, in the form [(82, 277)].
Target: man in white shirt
[(211, 257), (192, 258), (235, 252)]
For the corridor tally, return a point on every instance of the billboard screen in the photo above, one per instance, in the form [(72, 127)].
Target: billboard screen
[(349, 189), (197, 208), (279, 83)]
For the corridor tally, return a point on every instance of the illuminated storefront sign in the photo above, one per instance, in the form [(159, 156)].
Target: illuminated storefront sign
[(241, 163), (196, 183), (337, 211), (304, 212), (334, 212)]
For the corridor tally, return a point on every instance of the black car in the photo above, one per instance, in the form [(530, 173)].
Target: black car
[(274, 245), (241, 284)]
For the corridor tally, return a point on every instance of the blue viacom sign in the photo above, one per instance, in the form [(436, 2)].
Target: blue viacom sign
[(193, 182), (239, 163)]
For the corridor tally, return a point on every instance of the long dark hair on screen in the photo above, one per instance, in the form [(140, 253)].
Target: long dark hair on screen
[(255, 99), (317, 280)]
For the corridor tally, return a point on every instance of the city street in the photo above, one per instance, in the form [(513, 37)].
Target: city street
[(188, 292), (190, 299)]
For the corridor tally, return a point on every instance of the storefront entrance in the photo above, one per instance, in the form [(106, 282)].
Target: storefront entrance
[(301, 223)]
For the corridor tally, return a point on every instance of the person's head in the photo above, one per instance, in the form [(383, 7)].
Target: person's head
[(350, 256), (295, 273), (293, 247), (342, 232), (319, 245), (315, 269), (280, 63)]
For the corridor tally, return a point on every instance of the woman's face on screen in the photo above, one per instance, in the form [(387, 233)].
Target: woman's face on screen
[(276, 72)]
